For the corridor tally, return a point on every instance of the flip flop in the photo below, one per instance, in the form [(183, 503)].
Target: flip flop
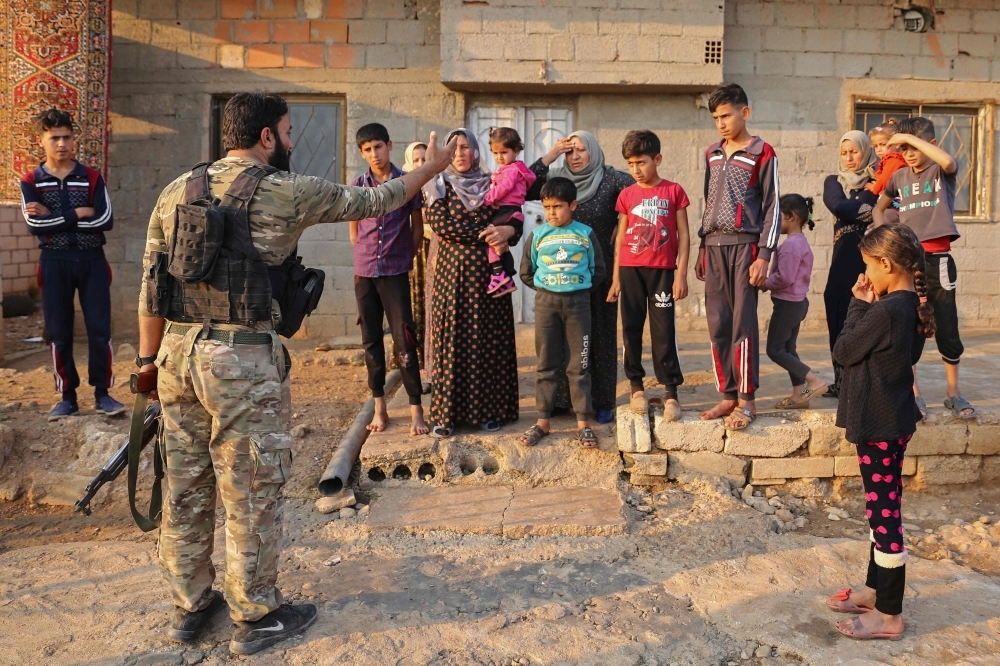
[(441, 431), (921, 407), (739, 419), (859, 633), (533, 435), (784, 403), (957, 404), (490, 426), (587, 438), (805, 396), (841, 602)]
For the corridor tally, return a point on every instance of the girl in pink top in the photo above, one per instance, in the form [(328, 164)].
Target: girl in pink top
[(788, 282), (508, 186)]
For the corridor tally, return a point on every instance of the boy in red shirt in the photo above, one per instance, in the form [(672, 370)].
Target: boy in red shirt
[(651, 257)]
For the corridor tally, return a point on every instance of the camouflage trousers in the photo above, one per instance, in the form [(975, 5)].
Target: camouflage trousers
[(226, 415)]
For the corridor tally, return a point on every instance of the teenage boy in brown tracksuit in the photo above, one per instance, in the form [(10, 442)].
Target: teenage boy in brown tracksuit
[(739, 231)]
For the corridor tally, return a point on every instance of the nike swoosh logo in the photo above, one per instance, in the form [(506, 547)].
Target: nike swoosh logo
[(279, 627)]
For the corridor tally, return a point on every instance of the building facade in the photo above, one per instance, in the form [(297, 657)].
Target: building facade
[(812, 69)]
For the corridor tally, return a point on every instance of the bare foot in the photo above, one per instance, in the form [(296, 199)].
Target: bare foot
[(724, 408), (417, 424), (875, 622), (381, 418)]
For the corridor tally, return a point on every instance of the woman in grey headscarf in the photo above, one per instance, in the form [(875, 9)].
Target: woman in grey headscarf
[(851, 204), (474, 372), (598, 187)]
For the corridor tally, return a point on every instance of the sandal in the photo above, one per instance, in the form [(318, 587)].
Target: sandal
[(441, 431), (957, 405), (671, 410), (841, 602), (490, 426), (922, 407), (785, 403), (587, 438), (533, 435), (805, 396), (739, 419), (859, 633)]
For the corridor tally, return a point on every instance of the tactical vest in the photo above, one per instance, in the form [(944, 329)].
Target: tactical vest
[(212, 271)]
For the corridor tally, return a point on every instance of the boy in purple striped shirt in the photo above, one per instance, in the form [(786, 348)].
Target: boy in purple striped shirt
[(383, 257)]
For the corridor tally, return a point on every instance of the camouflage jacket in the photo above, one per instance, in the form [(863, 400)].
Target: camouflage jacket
[(284, 205)]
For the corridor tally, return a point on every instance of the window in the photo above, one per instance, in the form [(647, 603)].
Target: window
[(713, 52), (961, 130), (317, 134)]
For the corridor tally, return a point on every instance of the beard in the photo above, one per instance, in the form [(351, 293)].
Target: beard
[(281, 158)]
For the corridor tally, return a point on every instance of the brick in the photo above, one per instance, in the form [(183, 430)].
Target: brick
[(210, 32), (814, 64), (386, 56), (828, 440), (791, 468), (304, 55), (647, 464), (909, 466), (195, 9), (852, 66), (404, 32), (19, 256), (26, 269), (232, 56), (846, 466), (266, 56), (767, 437), (633, 431), (252, 32), (158, 9), (991, 469), (938, 440), (366, 32), (681, 464), (984, 440), (343, 9), (196, 56), (278, 9), (946, 470), (169, 34), (290, 32), (136, 31), (238, 9), (342, 57), (328, 32)]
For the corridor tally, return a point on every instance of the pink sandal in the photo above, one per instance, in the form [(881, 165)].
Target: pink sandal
[(859, 633), (841, 602), (508, 288), (496, 281)]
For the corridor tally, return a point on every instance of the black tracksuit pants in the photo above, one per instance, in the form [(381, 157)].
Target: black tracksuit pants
[(941, 276), (562, 344), (731, 303), (782, 334), (388, 297), (649, 290), (60, 275)]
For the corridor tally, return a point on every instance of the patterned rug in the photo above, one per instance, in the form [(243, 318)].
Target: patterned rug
[(52, 53)]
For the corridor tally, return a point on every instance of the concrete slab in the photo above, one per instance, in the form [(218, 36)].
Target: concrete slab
[(569, 511), (467, 509), (778, 599)]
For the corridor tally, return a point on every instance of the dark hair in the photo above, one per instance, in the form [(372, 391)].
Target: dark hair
[(246, 116), (798, 206), (898, 244), (560, 189), (506, 137), (51, 119), (640, 142), (918, 126), (371, 132), (728, 93)]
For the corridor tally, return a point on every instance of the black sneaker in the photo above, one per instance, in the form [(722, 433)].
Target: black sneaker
[(185, 626), (283, 622)]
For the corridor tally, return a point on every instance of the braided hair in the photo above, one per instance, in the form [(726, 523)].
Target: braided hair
[(898, 244), (798, 206)]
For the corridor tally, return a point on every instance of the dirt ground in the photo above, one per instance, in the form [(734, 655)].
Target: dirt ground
[(80, 589)]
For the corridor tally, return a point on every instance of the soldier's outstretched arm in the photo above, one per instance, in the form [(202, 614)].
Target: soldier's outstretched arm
[(318, 200)]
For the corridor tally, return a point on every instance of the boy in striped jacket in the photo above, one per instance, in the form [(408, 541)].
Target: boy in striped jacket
[(739, 232), (67, 207)]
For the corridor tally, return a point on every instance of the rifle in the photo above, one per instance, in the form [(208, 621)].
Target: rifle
[(119, 461)]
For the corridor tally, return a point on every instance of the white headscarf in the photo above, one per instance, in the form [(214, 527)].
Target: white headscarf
[(408, 164), (590, 177), (855, 180)]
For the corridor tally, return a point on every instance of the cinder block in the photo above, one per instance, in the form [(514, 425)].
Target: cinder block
[(561, 48), (977, 46), (853, 66), (767, 437), (366, 32), (648, 464), (824, 41), (931, 440), (232, 56), (386, 56), (984, 440), (775, 63), (595, 49), (785, 39), (345, 57), (862, 41), (526, 47), (405, 32), (943, 470), (792, 468), (706, 462), (423, 55), (689, 434), (632, 431), (929, 67), (971, 69), (814, 64)]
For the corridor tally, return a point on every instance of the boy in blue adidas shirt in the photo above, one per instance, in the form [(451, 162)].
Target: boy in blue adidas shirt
[(562, 261)]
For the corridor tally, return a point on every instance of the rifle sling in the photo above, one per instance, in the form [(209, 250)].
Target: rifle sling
[(152, 521)]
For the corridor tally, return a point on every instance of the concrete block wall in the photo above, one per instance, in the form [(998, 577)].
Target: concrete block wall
[(18, 252), (171, 56)]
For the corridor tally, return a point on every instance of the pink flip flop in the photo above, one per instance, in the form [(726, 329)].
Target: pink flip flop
[(841, 602), (859, 633)]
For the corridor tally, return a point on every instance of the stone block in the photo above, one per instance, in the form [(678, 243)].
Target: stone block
[(767, 437), (61, 489), (828, 440), (933, 440), (991, 469), (792, 468), (707, 462), (847, 466), (909, 466), (942, 470), (689, 434), (7, 438), (633, 431), (648, 464), (984, 440), (564, 510)]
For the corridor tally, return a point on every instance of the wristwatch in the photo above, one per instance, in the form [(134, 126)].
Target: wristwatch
[(144, 360)]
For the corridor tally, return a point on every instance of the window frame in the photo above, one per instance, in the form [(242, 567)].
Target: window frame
[(218, 103), (981, 188)]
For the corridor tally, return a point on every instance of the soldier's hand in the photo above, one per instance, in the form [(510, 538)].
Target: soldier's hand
[(439, 158)]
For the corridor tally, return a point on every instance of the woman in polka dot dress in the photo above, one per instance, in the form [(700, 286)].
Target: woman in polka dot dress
[(474, 372)]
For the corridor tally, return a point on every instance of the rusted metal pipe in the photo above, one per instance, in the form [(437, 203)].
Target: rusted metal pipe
[(342, 461)]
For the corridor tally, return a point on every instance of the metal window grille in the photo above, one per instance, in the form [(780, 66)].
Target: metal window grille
[(713, 52)]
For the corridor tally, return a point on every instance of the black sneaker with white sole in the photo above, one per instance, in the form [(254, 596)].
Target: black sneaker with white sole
[(283, 622), (184, 625)]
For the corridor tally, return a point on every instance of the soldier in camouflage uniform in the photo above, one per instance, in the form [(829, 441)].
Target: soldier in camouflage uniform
[(226, 405)]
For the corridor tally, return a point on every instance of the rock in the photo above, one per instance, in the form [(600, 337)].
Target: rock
[(689, 434), (633, 432), (299, 431), (746, 654), (985, 520), (31, 404), (7, 438), (649, 464), (8, 407), (10, 489), (772, 499), (495, 623), (784, 515), (774, 525), (837, 511), (332, 562), (942, 470), (364, 511), (97, 447), (828, 440), (366, 484), (761, 505), (341, 360), (763, 651), (550, 612), (126, 352), (800, 522), (61, 489), (192, 657), (770, 493), (344, 498), (323, 347), (767, 437), (833, 516), (706, 463), (357, 359), (645, 508), (792, 468), (909, 527), (932, 440), (747, 492), (984, 440), (346, 513)]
